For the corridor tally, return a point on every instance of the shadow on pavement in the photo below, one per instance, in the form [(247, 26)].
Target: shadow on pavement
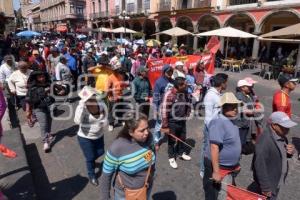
[(167, 195), (70, 132), (65, 189), (19, 190)]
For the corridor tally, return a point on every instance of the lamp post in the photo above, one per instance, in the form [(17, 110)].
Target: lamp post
[(124, 17)]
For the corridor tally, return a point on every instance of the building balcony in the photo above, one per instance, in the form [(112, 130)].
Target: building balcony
[(104, 14), (202, 3), (164, 6), (241, 2)]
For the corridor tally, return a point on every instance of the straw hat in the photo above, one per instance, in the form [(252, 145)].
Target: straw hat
[(86, 93), (229, 98)]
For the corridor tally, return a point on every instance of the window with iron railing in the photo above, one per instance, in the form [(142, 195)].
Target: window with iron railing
[(147, 4), (165, 5), (117, 9), (130, 7), (240, 2)]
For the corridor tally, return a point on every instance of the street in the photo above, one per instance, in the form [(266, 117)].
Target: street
[(61, 174)]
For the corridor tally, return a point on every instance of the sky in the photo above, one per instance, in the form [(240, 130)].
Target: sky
[(17, 3)]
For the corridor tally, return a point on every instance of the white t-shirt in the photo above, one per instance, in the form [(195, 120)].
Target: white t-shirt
[(17, 82), (89, 126)]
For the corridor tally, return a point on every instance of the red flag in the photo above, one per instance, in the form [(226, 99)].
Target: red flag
[(235, 193), (212, 46)]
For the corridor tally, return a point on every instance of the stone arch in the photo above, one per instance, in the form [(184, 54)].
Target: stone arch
[(208, 21), (267, 17), (149, 28), (244, 17), (185, 23), (164, 24), (94, 26), (275, 20), (115, 24), (137, 26)]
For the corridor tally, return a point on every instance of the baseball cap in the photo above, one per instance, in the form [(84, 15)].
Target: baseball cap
[(242, 83), (250, 80), (284, 78), (166, 68), (229, 98), (281, 119), (166, 43), (139, 55)]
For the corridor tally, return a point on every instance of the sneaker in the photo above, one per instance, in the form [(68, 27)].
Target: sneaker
[(185, 157), (51, 138), (173, 163), (46, 147), (110, 128), (201, 174)]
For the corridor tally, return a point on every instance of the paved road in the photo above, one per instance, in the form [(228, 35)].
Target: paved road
[(61, 174)]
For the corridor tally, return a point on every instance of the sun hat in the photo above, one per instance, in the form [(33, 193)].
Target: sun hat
[(282, 119), (250, 80), (179, 63), (284, 78), (229, 98), (86, 93), (243, 82)]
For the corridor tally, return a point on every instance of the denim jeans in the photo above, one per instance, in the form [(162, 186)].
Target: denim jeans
[(92, 149), (205, 145), (157, 134)]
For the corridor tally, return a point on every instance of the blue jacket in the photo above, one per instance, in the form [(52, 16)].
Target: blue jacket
[(159, 90)]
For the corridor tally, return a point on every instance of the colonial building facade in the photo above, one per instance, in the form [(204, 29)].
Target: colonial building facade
[(254, 16), (7, 18), (104, 13), (67, 15)]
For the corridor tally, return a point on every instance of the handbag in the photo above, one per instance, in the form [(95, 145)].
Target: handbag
[(137, 194)]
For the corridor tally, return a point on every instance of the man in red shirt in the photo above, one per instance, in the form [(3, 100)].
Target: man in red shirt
[(281, 98)]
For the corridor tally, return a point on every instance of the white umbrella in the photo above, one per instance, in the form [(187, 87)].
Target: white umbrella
[(176, 31), (123, 30), (102, 29), (227, 32)]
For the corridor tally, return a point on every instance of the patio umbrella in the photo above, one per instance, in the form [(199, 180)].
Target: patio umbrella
[(152, 43), (290, 32), (176, 31), (123, 30), (122, 41), (81, 36), (28, 34), (139, 42), (102, 29), (227, 32)]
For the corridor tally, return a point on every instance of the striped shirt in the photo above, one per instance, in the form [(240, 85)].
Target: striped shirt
[(130, 160)]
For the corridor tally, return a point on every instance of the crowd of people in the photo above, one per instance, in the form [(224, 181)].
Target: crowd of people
[(35, 72)]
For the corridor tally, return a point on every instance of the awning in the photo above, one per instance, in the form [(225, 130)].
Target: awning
[(228, 32), (290, 32), (62, 28), (123, 30), (102, 29), (176, 31)]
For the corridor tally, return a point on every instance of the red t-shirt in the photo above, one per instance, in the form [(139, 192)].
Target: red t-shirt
[(282, 102)]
